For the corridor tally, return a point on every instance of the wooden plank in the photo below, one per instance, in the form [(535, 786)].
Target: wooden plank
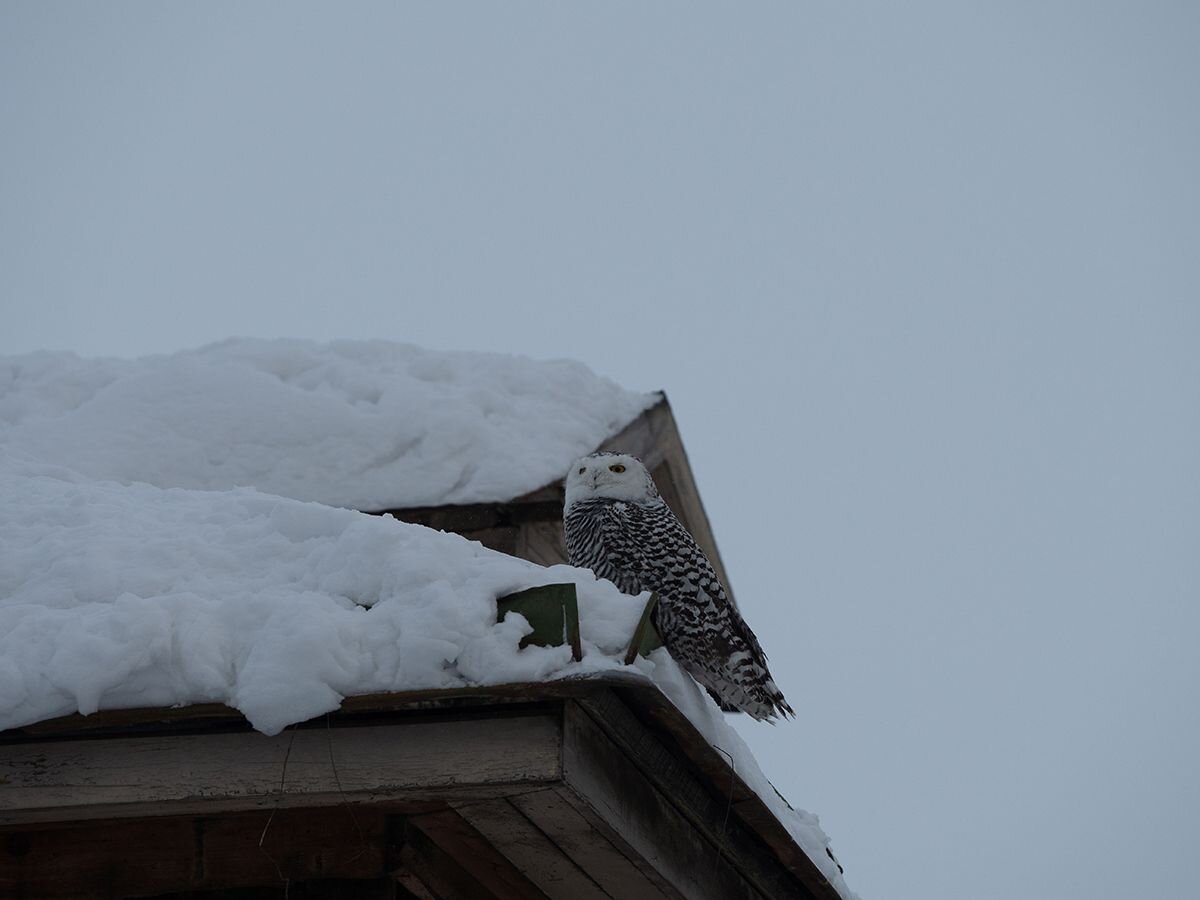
[(335, 842), (87, 862), (604, 857), (531, 851), (317, 889), (175, 854), (438, 871), (410, 887), (660, 738), (467, 701), (542, 542), (164, 774), (685, 745), (614, 837), (472, 852), (749, 832), (461, 518), (647, 817), (643, 436)]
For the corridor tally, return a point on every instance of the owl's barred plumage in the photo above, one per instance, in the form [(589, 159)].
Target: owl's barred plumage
[(618, 526)]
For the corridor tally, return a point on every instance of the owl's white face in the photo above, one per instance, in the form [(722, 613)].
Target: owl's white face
[(609, 476)]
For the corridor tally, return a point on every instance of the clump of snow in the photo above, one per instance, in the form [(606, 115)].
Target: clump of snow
[(115, 596), (130, 595), (157, 549), (362, 424)]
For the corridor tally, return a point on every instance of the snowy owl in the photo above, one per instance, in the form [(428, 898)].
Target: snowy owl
[(618, 526)]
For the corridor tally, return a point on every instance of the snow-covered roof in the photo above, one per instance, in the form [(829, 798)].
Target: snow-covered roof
[(130, 595), (136, 571), (117, 596), (362, 424)]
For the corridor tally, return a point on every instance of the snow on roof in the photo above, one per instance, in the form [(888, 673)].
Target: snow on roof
[(135, 572), (118, 596), (362, 424)]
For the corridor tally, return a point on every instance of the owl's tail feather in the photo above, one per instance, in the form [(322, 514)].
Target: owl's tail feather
[(725, 705), (757, 697)]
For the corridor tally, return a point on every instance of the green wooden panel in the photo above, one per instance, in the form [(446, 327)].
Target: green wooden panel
[(553, 612), (646, 638)]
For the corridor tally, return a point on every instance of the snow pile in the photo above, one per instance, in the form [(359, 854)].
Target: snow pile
[(118, 596), (156, 548), (367, 425)]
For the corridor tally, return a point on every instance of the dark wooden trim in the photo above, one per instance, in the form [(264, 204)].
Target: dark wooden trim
[(531, 850), (454, 860), (477, 516), (593, 845), (170, 854), (634, 800), (524, 698), (678, 741)]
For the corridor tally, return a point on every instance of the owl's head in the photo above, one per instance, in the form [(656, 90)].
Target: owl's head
[(609, 476)]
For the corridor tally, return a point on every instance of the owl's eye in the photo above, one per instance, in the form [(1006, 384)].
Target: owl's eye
[(616, 467), (581, 471)]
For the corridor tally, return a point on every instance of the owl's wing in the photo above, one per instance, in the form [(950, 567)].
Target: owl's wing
[(652, 548)]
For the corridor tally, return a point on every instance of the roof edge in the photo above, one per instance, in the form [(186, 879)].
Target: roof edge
[(641, 698)]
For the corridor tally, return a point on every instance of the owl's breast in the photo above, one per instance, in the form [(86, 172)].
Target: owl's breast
[(592, 543)]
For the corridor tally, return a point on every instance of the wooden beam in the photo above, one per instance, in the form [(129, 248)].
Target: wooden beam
[(517, 698), (170, 854), (606, 782), (410, 887), (478, 516), (471, 852), (203, 773), (719, 796), (449, 873), (359, 853), (531, 851), (542, 542), (650, 713), (599, 852)]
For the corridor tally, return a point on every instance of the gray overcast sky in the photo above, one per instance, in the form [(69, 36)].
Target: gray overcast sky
[(920, 279)]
